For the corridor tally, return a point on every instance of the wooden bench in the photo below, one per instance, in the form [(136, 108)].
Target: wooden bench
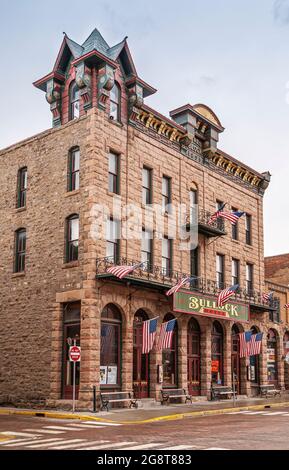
[(219, 391), (107, 398), (169, 393), (269, 390)]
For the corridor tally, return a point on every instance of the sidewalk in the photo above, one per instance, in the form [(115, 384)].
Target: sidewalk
[(157, 413)]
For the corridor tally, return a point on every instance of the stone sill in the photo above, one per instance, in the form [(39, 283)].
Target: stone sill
[(72, 264), (116, 123), (20, 209), (22, 274), (72, 193)]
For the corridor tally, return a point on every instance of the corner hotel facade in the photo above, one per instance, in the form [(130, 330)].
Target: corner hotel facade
[(107, 144)]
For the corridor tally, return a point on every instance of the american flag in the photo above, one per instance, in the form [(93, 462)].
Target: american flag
[(166, 335), (286, 306), (225, 294), (245, 339), (255, 344), (267, 296), (216, 214), (180, 284), (149, 328), (122, 271), (233, 217)]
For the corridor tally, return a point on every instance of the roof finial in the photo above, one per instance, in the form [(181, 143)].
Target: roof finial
[(125, 38), (64, 33)]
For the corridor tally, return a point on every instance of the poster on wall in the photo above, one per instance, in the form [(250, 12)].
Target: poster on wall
[(111, 375), (103, 375)]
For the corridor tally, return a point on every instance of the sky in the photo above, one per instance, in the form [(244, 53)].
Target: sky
[(231, 55)]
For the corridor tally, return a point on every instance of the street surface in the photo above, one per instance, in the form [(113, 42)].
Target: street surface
[(246, 430)]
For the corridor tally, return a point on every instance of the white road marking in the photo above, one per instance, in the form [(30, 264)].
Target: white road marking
[(111, 445), (52, 444), (25, 442), (84, 426), (63, 428), (78, 446), (12, 441), (216, 448), (98, 423), (46, 431), (22, 434), (181, 447), (146, 446), (273, 413)]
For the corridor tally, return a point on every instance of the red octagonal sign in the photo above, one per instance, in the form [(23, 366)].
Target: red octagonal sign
[(74, 353)]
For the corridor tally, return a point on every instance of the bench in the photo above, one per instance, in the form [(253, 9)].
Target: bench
[(269, 390), (169, 393), (107, 398), (219, 391)]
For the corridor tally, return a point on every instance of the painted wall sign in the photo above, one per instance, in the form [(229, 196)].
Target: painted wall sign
[(192, 303)]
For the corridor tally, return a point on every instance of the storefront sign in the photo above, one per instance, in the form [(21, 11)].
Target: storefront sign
[(192, 303), (103, 375), (111, 375)]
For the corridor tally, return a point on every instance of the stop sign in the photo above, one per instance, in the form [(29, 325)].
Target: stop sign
[(75, 353)]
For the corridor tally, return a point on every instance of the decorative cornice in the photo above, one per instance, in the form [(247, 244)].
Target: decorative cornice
[(163, 126)]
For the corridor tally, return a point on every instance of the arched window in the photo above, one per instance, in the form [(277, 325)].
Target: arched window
[(72, 238), (170, 357), (235, 357), (217, 353), (140, 361), (73, 169), (194, 357), (71, 336), (254, 362), (115, 95), (286, 361), (21, 187), (110, 347), (74, 101), (20, 250), (272, 357)]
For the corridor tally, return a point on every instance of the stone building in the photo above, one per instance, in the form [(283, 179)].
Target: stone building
[(108, 149)]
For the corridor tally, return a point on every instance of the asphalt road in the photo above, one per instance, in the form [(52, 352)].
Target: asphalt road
[(252, 430)]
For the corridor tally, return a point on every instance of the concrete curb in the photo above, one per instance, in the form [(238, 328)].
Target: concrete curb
[(172, 417)]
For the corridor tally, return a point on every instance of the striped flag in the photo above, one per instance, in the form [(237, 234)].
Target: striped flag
[(245, 339), (267, 297), (286, 306), (166, 335), (122, 271), (149, 328), (216, 214), (255, 344), (233, 217), (180, 284), (225, 294)]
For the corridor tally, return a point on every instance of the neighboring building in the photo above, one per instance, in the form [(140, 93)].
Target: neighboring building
[(107, 145)]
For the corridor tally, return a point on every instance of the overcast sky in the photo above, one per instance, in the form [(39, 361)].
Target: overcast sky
[(232, 55)]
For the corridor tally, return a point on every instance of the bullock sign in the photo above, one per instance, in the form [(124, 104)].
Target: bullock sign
[(192, 303)]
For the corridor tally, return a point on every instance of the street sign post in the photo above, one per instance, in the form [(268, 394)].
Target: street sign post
[(74, 356)]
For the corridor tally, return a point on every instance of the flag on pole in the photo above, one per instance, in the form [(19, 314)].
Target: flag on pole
[(286, 306), (149, 328), (255, 344), (225, 294), (233, 217), (180, 284), (267, 297), (245, 339), (166, 335), (122, 271), (216, 214)]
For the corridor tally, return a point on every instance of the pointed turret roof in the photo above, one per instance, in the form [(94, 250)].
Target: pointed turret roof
[(95, 41)]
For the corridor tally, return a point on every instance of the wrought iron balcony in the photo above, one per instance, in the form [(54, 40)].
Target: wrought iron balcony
[(156, 277), (207, 227)]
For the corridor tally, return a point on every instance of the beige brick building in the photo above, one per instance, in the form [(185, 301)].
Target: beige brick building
[(108, 149)]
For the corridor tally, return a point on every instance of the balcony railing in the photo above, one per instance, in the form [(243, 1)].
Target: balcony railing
[(206, 226), (157, 277)]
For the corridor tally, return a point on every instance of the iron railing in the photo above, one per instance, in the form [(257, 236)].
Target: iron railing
[(205, 224)]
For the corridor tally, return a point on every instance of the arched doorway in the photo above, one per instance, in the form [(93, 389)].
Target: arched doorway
[(286, 359), (217, 366), (140, 361), (194, 358), (235, 358), (254, 373), (110, 348), (272, 367), (170, 358)]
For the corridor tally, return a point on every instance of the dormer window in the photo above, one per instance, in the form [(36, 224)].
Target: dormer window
[(114, 113), (74, 102)]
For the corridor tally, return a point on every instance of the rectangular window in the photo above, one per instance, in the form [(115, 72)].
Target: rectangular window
[(219, 204), (20, 251), (249, 278), (248, 228), (234, 227), (73, 180), (235, 271), (166, 193), (113, 240), (113, 173), (146, 186), (72, 238), (166, 256), (146, 249), (22, 187), (220, 271)]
